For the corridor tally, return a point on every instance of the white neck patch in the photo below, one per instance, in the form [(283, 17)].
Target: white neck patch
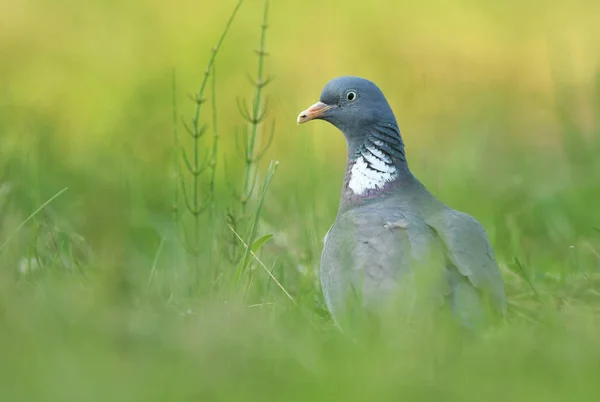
[(363, 178)]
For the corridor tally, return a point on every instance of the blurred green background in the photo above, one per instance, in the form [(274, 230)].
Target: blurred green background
[(499, 107)]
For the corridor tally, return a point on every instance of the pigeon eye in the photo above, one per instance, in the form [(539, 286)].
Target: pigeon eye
[(351, 95)]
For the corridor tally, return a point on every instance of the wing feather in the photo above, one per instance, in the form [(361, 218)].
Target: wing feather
[(470, 251)]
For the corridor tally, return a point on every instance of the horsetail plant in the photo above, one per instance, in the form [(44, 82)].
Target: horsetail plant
[(176, 147), (195, 203), (254, 117), (197, 166)]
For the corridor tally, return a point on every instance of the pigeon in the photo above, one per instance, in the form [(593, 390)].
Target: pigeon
[(393, 243)]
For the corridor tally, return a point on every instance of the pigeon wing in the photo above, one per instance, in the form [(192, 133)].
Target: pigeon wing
[(469, 250)]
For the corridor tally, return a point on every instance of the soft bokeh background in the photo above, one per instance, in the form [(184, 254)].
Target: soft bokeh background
[(499, 107)]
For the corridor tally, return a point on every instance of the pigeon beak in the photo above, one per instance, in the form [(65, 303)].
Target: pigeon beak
[(316, 111)]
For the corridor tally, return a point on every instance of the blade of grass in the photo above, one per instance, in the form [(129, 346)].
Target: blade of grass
[(263, 265), (34, 213), (252, 230), (155, 262)]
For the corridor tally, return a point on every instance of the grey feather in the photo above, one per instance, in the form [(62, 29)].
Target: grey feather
[(470, 251)]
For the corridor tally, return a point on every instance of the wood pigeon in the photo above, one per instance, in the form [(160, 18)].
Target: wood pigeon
[(393, 243)]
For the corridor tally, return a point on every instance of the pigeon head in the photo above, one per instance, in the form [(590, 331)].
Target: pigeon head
[(351, 104), (358, 108)]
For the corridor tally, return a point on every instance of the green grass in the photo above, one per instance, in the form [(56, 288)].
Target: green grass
[(109, 293)]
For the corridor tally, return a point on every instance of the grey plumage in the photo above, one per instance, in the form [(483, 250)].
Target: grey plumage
[(392, 239)]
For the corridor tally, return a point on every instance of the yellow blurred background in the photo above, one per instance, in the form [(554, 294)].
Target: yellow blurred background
[(90, 67)]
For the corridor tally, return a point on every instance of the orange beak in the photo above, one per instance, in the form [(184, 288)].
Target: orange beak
[(314, 112)]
